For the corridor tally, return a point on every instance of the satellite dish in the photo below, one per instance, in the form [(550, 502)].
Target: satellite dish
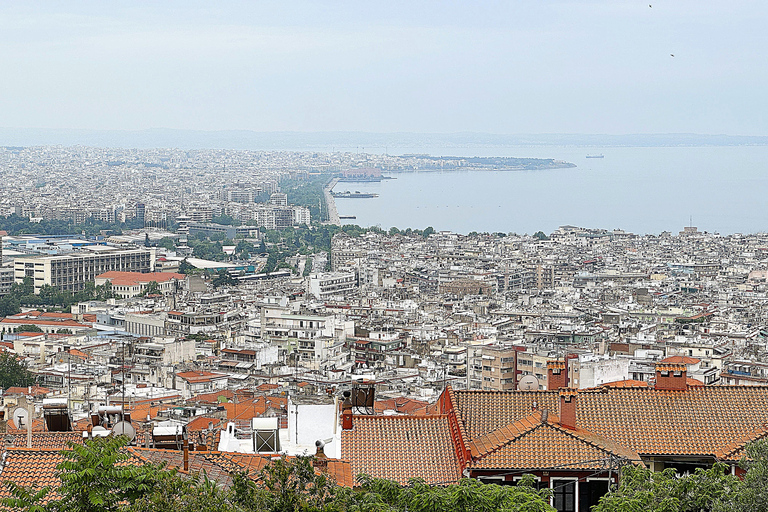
[(123, 428), (20, 416), (528, 383), (99, 431)]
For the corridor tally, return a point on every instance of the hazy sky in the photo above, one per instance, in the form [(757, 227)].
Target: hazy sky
[(535, 66)]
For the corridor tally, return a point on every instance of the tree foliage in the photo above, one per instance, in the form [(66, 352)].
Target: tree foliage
[(14, 372), (643, 490)]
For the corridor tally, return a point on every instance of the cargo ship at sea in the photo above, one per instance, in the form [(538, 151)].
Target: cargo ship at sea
[(596, 156)]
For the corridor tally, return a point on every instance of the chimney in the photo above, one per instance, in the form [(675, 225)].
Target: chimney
[(3, 423), (185, 447), (568, 398), (321, 460), (671, 377), (557, 375), (346, 412)]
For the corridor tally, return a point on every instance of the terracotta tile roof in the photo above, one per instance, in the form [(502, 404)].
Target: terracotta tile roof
[(547, 445), (215, 466), (680, 360), (30, 468), (48, 440), (212, 398), (133, 278), (201, 422), (202, 376), (627, 383), (699, 421), (401, 404), (36, 391), (734, 451), (402, 447)]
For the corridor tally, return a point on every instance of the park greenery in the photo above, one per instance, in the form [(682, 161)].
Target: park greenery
[(50, 297), (17, 225), (98, 476)]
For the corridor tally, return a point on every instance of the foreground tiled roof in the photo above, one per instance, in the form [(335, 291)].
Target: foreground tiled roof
[(401, 447), (734, 451), (212, 464), (30, 468), (699, 421), (540, 442)]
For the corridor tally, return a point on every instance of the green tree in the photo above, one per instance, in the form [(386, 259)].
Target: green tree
[(27, 328), (644, 490), (753, 492), (152, 288), (224, 278), (196, 493), (95, 477), (540, 235), (286, 485), (9, 305), (14, 372), (185, 267)]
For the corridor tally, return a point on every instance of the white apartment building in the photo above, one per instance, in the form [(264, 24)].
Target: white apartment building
[(71, 271), (324, 285)]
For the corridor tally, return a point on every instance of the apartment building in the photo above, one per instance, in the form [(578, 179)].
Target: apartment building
[(324, 285), (71, 271), (492, 367)]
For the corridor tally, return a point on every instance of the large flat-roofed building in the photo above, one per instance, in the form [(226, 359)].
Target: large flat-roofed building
[(71, 271), (323, 285)]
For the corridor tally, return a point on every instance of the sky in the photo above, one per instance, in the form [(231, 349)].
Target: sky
[(507, 67)]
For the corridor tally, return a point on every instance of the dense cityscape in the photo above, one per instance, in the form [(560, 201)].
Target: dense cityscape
[(210, 306)]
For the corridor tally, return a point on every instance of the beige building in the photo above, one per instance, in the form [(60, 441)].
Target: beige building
[(71, 271)]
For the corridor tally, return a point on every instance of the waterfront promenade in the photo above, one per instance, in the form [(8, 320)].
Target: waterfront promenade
[(330, 203)]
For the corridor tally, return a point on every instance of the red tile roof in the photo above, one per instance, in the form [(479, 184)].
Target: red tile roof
[(36, 391), (48, 440), (32, 467), (133, 278), (402, 447), (680, 360), (699, 421)]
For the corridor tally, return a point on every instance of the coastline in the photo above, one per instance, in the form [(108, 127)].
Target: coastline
[(330, 203)]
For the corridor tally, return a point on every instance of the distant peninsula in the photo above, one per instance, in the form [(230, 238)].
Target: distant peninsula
[(423, 162)]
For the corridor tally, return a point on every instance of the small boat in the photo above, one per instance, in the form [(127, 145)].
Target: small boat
[(596, 156)]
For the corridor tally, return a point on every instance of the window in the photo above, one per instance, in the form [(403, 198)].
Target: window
[(564, 495)]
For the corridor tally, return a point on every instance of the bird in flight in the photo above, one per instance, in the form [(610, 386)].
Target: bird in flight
[(671, 54)]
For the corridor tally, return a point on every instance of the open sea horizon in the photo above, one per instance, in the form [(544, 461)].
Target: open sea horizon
[(645, 190)]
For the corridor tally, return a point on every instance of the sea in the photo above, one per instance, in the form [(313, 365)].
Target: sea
[(644, 190)]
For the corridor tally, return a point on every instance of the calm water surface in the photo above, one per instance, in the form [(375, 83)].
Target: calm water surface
[(644, 190)]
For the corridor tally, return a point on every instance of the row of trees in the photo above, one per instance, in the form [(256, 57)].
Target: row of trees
[(97, 477), (50, 296), (17, 225)]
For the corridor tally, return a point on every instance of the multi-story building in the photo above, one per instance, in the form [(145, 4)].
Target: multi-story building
[(323, 285), (71, 271), (492, 367), (6, 280)]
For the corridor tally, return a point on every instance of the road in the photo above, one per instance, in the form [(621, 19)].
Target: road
[(333, 215)]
